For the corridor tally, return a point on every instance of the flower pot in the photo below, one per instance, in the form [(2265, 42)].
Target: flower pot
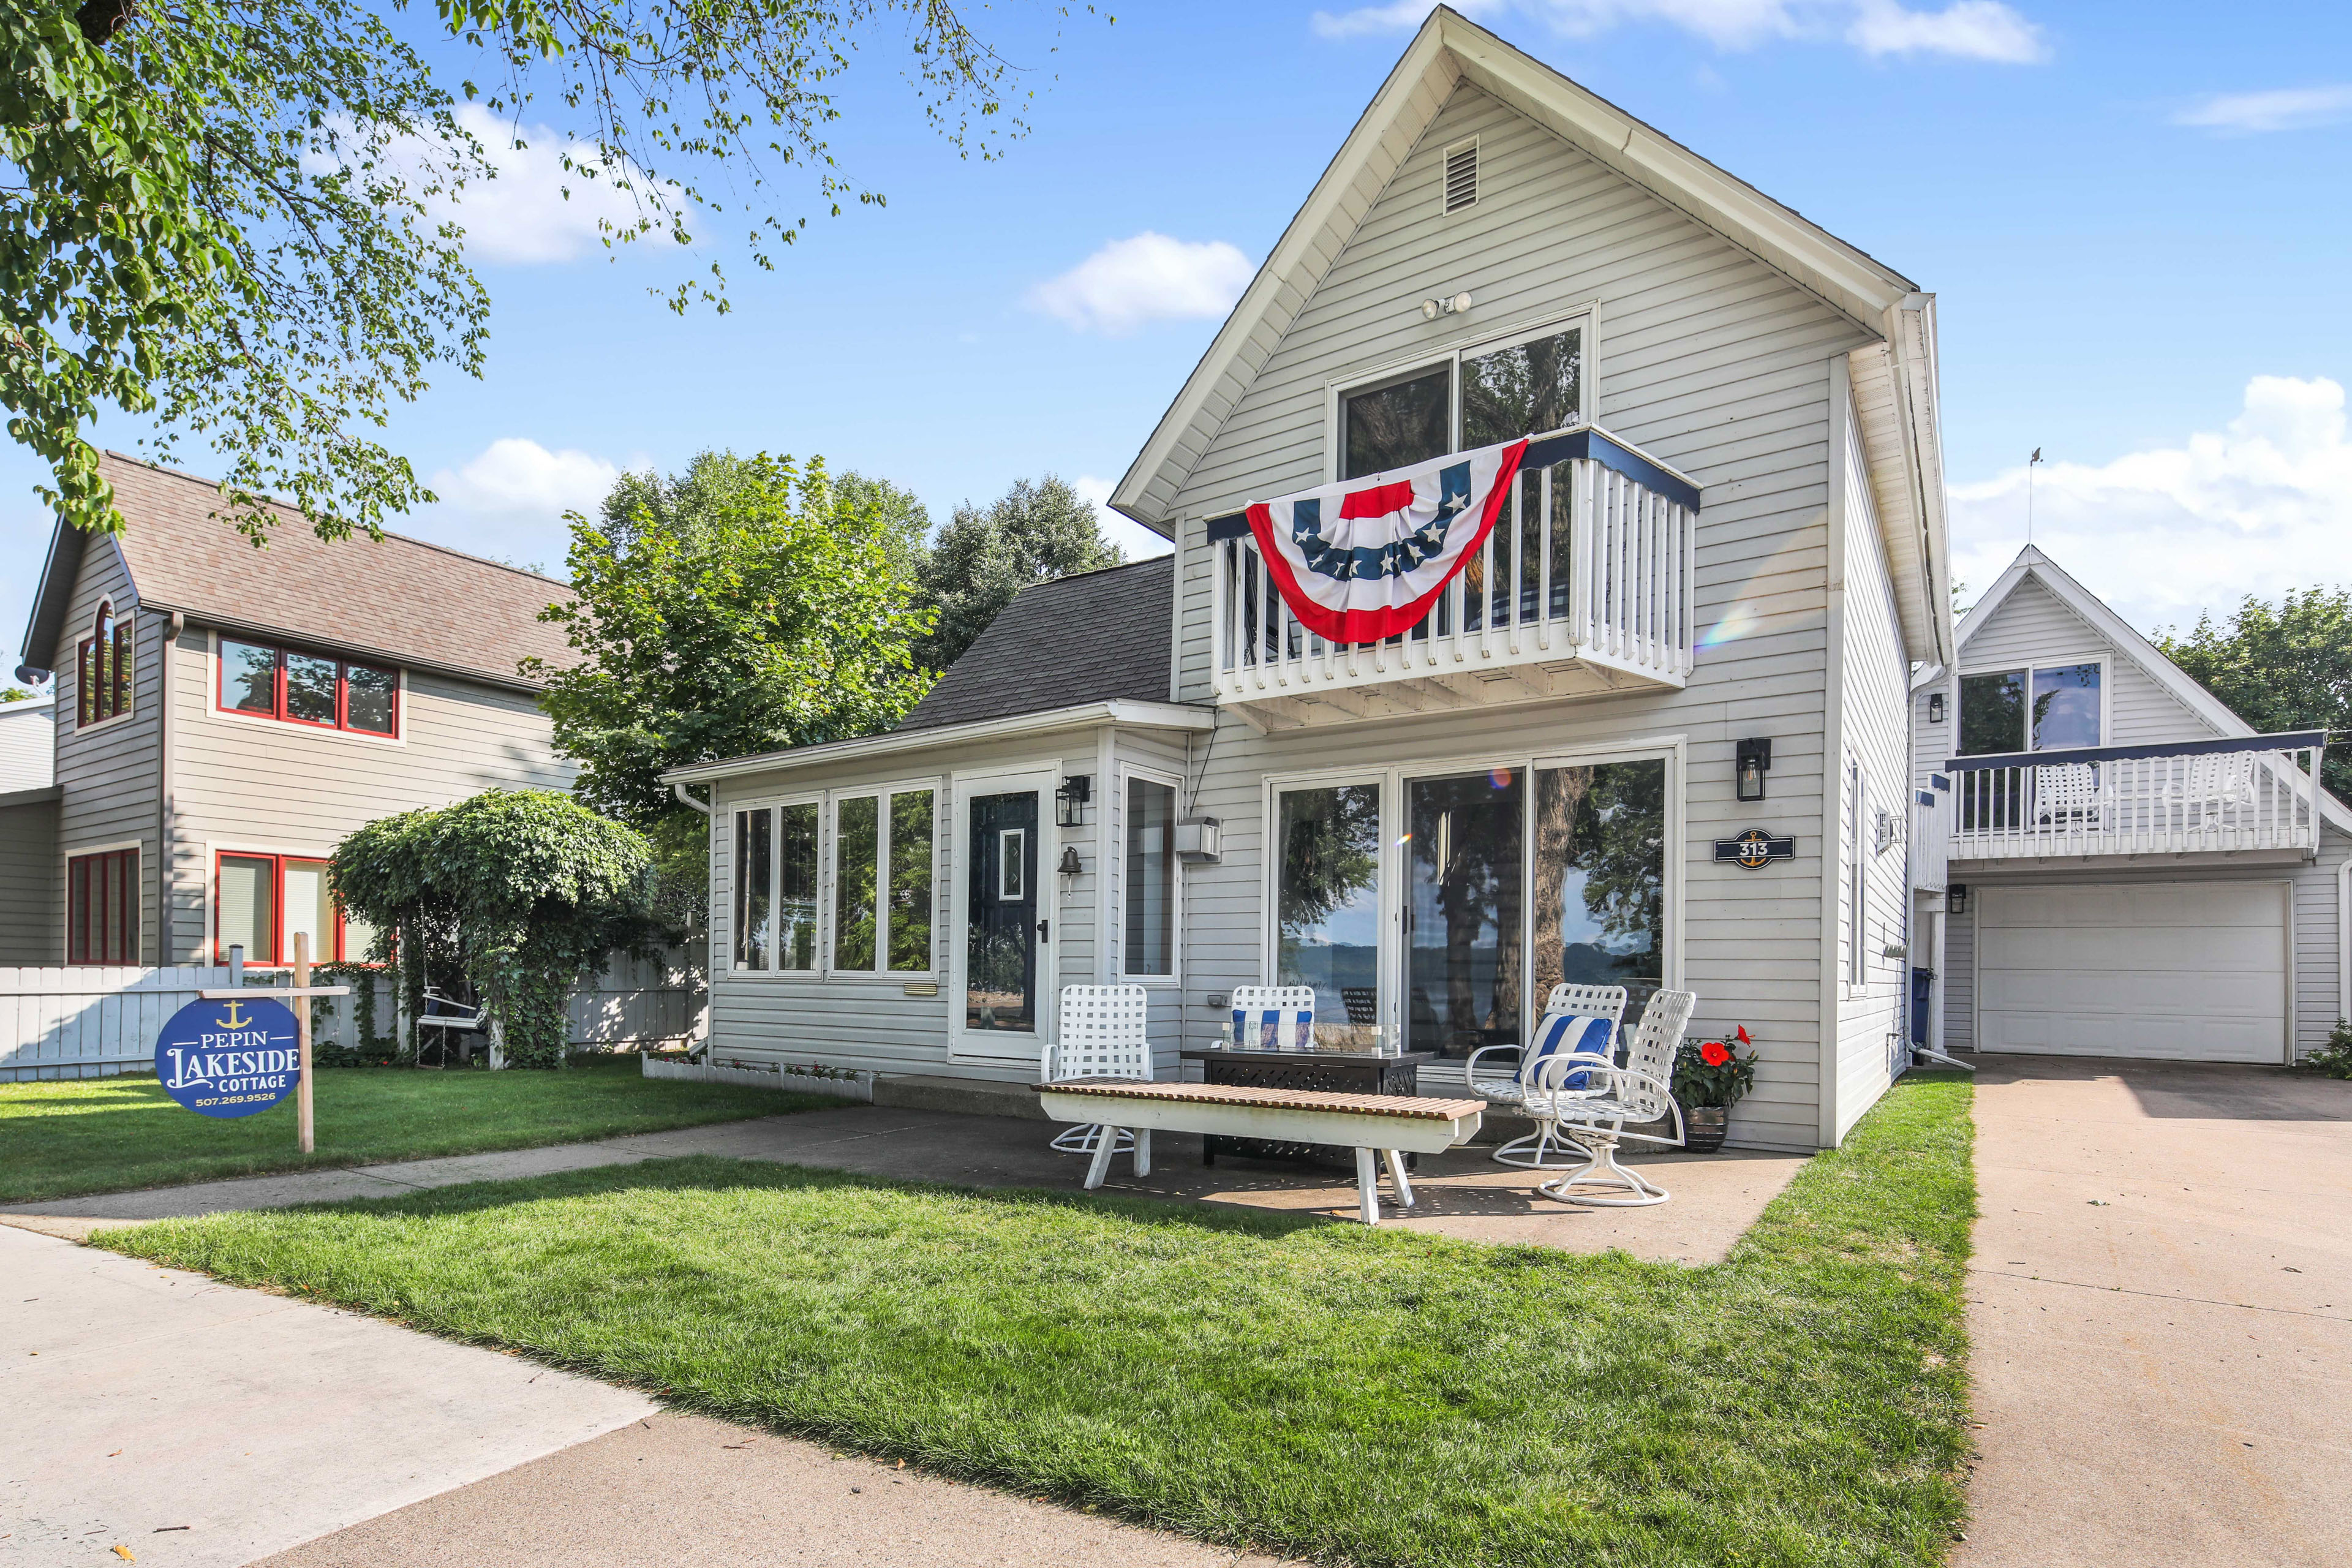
[(1703, 1127)]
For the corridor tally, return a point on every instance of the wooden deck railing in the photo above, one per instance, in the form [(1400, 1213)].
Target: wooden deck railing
[(2258, 791), (1591, 561)]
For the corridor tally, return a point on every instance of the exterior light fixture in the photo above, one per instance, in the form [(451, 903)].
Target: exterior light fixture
[(1956, 898), (1934, 708), (1069, 866), (1451, 305), (1754, 759), (1070, 801)]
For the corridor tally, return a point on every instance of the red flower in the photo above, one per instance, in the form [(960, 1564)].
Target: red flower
[(1714, 1053), (1743, 1036)]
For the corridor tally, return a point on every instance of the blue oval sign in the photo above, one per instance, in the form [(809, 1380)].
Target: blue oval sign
[(235, 1058)]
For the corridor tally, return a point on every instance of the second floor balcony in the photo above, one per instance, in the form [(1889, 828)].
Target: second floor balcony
[(1583, 586), (2256, 795)]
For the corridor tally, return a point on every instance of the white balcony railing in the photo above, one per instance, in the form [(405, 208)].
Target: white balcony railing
[(2259, 792), (1587, 573)]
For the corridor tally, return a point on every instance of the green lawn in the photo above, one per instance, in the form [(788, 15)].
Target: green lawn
[(68, 1138), (1351, 1396)]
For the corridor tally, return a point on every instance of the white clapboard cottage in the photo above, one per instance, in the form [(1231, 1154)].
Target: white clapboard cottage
[(2124, 869), (1728, 543)]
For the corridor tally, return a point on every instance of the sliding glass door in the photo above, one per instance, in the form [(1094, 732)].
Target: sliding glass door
[(1464, 868), (1599, 875), (1328, 906)]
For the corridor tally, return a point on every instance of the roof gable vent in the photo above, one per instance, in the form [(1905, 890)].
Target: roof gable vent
[(1462, 176)]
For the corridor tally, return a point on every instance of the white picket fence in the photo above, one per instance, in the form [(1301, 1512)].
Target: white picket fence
[(87, 1021)]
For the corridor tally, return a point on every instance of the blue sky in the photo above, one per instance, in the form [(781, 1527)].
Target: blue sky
[(2136, 222)]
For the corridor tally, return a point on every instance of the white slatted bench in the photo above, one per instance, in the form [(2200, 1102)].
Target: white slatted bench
[(1388, 1124)]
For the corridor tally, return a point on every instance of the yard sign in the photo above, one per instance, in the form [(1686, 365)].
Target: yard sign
[(233, 1058)]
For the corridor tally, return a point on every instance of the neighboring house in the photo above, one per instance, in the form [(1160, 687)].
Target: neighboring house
[(225, 714), (28, 822), (27, 745), (2126, 875), (1153, 774)]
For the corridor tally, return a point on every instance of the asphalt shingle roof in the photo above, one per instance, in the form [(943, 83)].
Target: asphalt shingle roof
[(395, 596), (1098, 638)]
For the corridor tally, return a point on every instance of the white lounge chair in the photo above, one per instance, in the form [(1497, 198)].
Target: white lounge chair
[(1591, 1099), (2073, 796), (1274, 1017), (1563, 1027), (1101, 1038)]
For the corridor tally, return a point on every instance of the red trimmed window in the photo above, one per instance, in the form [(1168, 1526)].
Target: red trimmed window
[(102, 908), (105, 668), (259, 901), (271, 682)]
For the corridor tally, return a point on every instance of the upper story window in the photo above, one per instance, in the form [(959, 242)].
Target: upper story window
[(270, 682), (105, 667), (2039, 708), (1524, 384)]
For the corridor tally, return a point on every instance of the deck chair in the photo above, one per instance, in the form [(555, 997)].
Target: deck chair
[(2072, 795), (1591, 1098), (1274, 1017), (1101, 1037), (1576, 1018), (2207, 789)]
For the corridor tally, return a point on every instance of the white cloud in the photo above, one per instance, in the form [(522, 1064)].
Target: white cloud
[(1967, 29), (1140, 542), (519, 479), (2279, 109), (2259, 507), (1145, 277)]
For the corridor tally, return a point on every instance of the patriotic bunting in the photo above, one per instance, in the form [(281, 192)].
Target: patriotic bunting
[(1366, 559)]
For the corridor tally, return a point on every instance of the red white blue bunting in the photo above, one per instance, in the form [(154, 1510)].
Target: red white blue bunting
[(1366, 559)]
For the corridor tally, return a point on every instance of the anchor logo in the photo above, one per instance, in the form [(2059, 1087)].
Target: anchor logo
[(235, 1020)]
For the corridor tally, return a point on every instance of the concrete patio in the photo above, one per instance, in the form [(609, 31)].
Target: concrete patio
[(1461, 1193)]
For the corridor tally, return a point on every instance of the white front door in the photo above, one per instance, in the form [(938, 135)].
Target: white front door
[(1002, 914), (2184, 971)]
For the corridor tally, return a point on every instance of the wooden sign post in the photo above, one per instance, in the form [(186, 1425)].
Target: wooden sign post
[(298, 995)]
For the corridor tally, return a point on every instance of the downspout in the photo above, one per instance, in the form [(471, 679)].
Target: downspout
[(677, 788), (172, 631), (2343, 948)]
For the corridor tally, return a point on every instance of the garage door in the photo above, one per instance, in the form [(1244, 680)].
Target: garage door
[(2188, 971)]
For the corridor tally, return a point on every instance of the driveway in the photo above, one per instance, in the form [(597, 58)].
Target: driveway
[(2161, 1307)]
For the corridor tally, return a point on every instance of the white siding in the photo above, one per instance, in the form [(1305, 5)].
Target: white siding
[(1703, 356), (1874, 681), (27, 745), (2033, 626)]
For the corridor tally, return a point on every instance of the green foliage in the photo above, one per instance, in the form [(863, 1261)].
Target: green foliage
[(986, 554), (1698, 1082), (2282, 669), (745, 605), (229, 215), (373, 1049), (1318, 1391), (17, 694), (520, 892), (2332, 1060)]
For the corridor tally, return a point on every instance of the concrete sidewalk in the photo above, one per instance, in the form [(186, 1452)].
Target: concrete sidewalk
[(2161, 1306), (1462, 1193)]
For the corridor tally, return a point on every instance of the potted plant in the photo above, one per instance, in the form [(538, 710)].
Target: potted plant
[(1710, 1078)]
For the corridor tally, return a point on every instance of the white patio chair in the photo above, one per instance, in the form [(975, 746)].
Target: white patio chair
[(2072, 795), (1594, 1115), (1274, 1017), (1101, 1036), (1576, 1018), (2207, 787)]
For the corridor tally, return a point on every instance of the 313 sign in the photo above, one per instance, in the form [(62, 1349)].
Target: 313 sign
[(1755, 850)]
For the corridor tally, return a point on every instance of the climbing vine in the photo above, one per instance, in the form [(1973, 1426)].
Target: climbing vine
[(505, 900)]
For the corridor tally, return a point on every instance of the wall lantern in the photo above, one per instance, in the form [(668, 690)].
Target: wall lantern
[(1934, 708), (1070, 800), (1069, 866), (1754, 760), (1956, 898)]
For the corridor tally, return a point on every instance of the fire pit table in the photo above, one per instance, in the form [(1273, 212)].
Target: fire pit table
[(1328, 1072)]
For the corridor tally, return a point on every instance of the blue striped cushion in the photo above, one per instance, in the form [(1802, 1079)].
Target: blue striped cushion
[(1274, 1029), (1576, 1033)]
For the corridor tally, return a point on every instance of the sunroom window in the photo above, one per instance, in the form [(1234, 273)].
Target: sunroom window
[(877, 879)]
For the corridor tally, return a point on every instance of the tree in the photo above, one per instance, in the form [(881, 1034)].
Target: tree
[(518, 892), (17, 694), (1035, 531), (2279, 669), (229, 215), (744, 605)]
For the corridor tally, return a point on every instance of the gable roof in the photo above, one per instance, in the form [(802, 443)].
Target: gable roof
[(394, 598), (1100, 636), (1449, 50), (2123, 638)]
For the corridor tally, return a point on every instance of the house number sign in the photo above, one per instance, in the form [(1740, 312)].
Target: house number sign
[(1755, 850)]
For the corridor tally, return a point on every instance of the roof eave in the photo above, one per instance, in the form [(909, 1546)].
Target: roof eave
[(1080, 716), (58, 573), (199, 615)]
